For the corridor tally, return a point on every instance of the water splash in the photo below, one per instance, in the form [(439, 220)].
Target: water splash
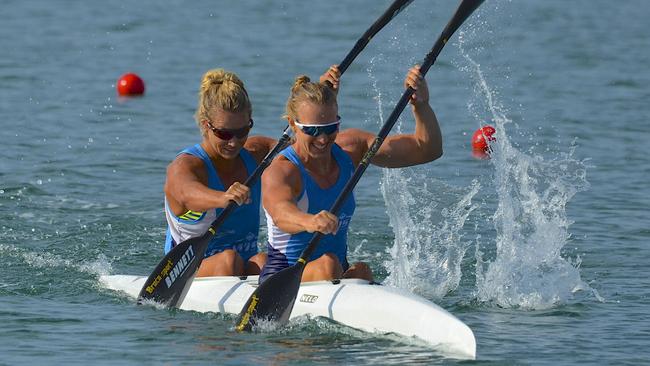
[(427, 217), (267, 326), (528, 269), (428, 251), (153, 303)]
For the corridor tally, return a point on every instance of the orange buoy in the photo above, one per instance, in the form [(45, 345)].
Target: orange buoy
[(130, 85), (481, 142)]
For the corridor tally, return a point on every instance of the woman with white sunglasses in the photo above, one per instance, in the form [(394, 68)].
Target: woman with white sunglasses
[(304, 181)]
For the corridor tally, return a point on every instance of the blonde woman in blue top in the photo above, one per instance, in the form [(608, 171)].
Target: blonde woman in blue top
[(204, 178), (304, 181)]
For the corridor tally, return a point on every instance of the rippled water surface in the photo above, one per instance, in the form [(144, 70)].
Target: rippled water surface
[(542, 250)]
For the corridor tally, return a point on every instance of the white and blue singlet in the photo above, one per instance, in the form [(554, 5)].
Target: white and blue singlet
[(284, 249), (239, 231)]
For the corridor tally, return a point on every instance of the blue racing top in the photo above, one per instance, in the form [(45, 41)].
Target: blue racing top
[(239, 231)]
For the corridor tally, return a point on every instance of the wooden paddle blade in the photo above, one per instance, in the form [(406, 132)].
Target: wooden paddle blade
[(272, 300), (170, 280)]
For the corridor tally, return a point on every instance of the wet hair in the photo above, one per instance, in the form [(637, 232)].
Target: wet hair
[(303, 90), (221, 90)]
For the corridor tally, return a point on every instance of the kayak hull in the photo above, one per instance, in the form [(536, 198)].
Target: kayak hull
[(353, 302)]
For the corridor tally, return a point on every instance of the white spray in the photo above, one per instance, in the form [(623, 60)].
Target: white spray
[(528, 269), (428, 249)]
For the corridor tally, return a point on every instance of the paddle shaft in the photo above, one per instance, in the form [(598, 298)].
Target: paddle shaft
[(253, 177), (464, 10), (395, 8)]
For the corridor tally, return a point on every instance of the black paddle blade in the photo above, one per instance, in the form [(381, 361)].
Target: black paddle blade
[(171, 279), (273, 299)]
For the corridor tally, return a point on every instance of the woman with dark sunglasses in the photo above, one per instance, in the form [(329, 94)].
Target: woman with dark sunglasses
[(204, 178), (304, 181)]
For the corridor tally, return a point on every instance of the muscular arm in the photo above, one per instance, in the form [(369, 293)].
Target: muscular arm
[(185, 188), (423, 146), (280, 186)]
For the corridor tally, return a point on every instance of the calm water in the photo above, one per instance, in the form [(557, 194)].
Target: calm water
[(542, 251)]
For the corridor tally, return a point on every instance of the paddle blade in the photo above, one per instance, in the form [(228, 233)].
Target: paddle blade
[(272, 300), (171, 279)]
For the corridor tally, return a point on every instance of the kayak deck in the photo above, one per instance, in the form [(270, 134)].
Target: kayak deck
[(353, 302)]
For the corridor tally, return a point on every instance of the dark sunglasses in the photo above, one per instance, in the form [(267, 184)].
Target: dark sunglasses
[(315, 130), (228, 134)]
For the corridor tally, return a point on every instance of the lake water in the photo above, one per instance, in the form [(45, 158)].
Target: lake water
[(542, 250)]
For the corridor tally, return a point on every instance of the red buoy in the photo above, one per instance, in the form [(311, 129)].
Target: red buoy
[(481, 140), (129, 85)]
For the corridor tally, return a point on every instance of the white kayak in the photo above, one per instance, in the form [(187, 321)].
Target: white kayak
[(353, 302)]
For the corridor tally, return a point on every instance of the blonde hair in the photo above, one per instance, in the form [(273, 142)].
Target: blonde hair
[(303, 90), (221, 89)]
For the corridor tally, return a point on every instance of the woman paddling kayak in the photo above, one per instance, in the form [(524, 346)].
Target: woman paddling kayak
[(204, 178), (304, 181)]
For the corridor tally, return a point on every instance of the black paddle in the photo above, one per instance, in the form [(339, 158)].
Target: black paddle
[(177, 269), (170, 280), (273, 300)]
